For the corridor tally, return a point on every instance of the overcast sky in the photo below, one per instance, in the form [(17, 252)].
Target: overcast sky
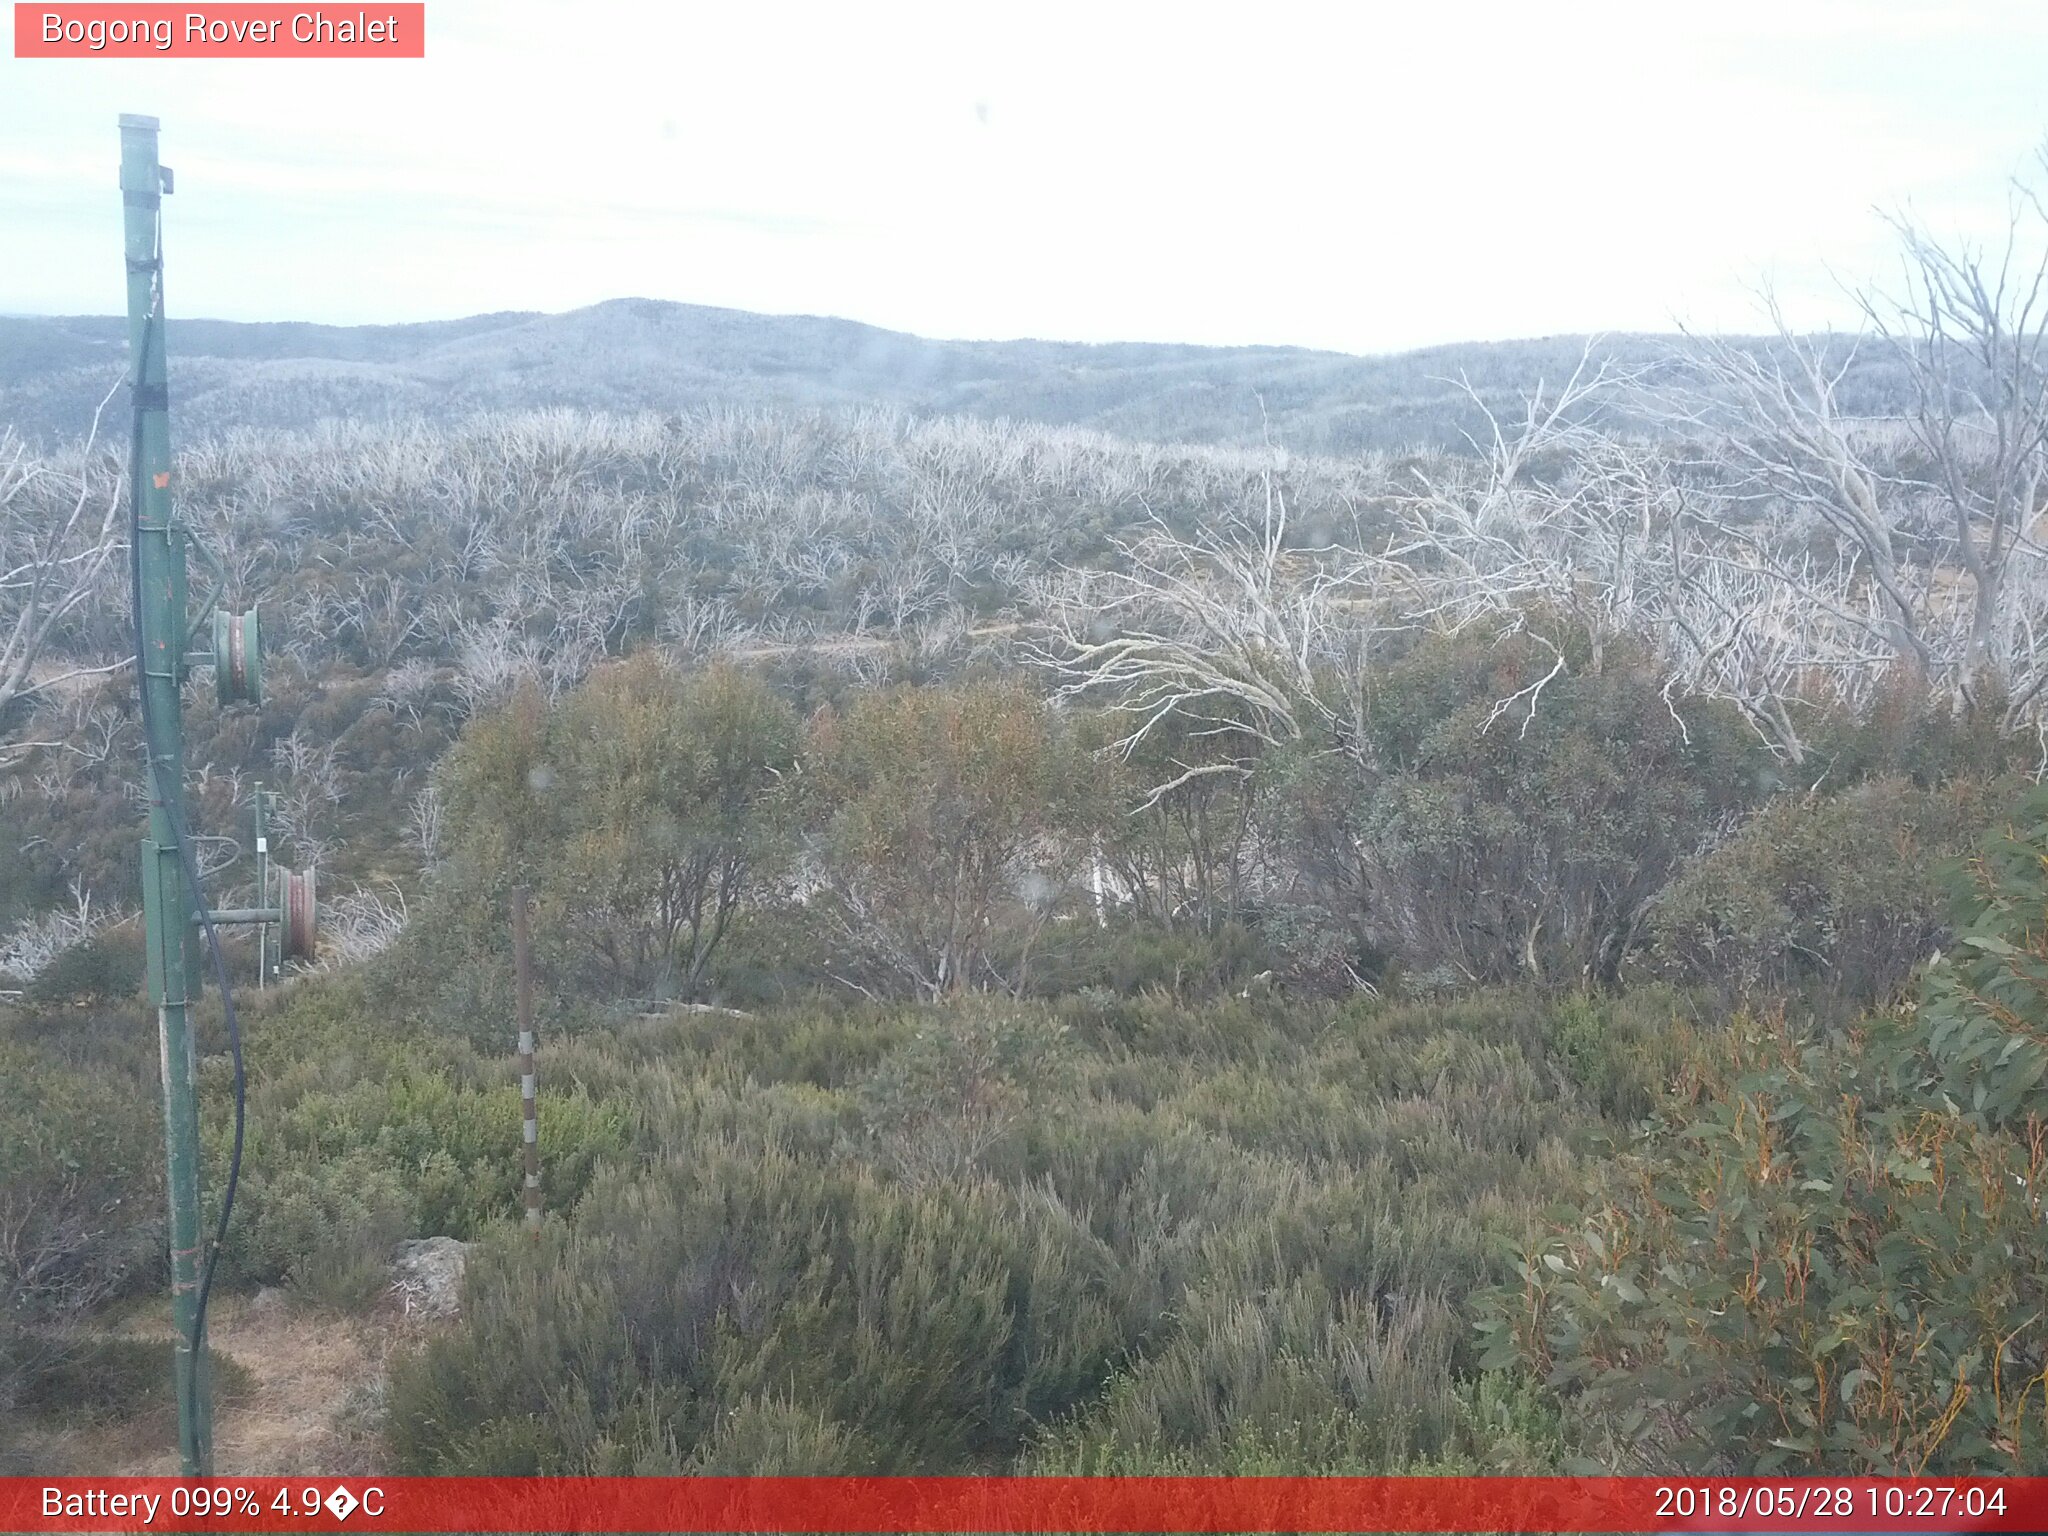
[(1365, 176)]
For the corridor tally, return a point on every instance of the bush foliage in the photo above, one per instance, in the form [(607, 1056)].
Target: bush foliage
[(1837, 893), (1101, 1233), (929, 1084)]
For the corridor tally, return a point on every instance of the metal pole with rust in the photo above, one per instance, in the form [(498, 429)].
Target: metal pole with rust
[(522, 964)]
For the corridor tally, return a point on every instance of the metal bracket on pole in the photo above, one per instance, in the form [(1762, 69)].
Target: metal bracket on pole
[(289, 905)]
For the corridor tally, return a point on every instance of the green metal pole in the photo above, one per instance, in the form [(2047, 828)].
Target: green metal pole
[(161, 597)]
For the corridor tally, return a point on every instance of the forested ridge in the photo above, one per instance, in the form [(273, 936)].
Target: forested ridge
[(634, 355), (1495, 930)]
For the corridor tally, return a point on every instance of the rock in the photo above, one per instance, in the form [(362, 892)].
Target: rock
[(268, 1302), (427, 1276)]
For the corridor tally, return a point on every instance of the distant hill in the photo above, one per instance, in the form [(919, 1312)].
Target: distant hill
[(642, 354)]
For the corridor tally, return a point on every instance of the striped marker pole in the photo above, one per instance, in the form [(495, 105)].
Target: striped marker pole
[(522, 960)]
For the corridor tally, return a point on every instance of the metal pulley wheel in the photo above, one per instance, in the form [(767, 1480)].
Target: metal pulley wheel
[(299, 937), (237, 657)]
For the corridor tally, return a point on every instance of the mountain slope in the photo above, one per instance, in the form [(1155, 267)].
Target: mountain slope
[(641, 354)]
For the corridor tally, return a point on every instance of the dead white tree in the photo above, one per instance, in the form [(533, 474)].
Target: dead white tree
[(408, 690), (1525, 517), (694, 627), (60, 531), (1608, 545), (904, 590), (311, 792), (29, 948), (380, 611), (491, 660), (1776, 561), (1971, 326), (1230, 627), (1788, 457), (425, 825), (1550, 528), (1933, 567), (1246, 631), (360, 925)]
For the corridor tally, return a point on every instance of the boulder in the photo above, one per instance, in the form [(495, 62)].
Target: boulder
[(267, 1303), (427, 1276)]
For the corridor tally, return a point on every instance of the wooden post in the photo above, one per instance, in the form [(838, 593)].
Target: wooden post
[(522, 961)]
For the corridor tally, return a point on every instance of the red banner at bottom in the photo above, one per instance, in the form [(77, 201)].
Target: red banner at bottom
[(1020, 1504)]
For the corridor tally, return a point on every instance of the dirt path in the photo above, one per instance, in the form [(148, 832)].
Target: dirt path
[(314, 1384)]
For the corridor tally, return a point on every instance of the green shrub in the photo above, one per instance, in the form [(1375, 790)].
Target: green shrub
[(1806, 1266), (108, 965), (826, 1044), (1622, 1050), (762, 1437), (1306, 1382), (326, 1230), (1914, 733), (81, 1160), (645, 812), (870, 1239), (1824, 1252), (1832, 892), (956, 1087), (102, 1379), (924, 1324), (360, 1135), (948, 820), (1127, 955), (1475, 843)]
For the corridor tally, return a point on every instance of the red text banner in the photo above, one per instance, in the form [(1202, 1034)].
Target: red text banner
[(232, 31), (1002, 1504)]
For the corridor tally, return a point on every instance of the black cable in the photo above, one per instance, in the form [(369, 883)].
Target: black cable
[(186, 857)]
